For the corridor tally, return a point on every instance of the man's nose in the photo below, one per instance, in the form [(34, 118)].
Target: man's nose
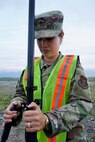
[(44, 42)]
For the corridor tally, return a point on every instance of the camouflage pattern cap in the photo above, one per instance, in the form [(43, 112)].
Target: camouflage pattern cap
[(48, 24)]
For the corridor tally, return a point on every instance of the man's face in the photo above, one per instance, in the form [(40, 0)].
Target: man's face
[(49, 47)]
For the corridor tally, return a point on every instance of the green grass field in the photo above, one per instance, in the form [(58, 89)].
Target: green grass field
[(7, 89), (4, 101)]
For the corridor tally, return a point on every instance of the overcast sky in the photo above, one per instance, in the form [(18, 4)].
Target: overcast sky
[(79, 29)]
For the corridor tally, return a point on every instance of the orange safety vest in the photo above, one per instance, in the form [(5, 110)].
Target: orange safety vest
[(56, 91)]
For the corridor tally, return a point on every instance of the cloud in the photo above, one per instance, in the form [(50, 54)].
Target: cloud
[(80, 40), (88, 62), (79, 28)]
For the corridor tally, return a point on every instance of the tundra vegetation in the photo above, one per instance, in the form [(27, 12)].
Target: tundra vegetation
[(7, 89)]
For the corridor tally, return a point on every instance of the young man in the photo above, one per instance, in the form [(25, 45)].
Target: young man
[(63, 88)]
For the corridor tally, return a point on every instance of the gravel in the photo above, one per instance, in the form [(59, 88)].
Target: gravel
[(17, 133)]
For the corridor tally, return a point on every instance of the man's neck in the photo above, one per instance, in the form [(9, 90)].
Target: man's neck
[(51, 60)]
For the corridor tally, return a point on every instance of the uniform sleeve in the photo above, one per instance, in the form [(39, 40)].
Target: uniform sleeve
[(77, 108), (20, 93)]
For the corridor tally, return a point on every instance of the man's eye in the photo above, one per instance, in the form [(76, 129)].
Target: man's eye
[(46, 39), (49, 39), (40, 39)]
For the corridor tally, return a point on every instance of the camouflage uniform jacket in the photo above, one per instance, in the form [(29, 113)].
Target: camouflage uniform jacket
[(68, 117)]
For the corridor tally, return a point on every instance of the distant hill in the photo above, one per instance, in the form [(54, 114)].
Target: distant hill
[(90, 73), (8, 79), (13, 74), (10, 74)]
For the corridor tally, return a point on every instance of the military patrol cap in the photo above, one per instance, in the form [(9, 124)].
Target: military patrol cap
[(48, 24)]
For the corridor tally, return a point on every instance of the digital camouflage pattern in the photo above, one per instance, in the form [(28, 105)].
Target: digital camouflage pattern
[(68, 117), (48, 24)]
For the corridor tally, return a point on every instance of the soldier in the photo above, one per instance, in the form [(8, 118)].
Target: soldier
[(63, 88)]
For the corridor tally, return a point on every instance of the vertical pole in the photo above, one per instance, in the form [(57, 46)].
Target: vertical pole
[(30, 62), (30, 137)]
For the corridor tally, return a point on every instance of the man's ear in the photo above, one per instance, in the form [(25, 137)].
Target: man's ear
[(61, 36)]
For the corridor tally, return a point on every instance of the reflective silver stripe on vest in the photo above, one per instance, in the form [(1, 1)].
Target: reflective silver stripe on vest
[(61, 81)]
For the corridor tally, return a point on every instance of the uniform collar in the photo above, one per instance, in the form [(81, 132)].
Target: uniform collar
[(44, 64)]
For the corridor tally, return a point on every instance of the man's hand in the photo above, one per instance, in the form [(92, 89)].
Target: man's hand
[(35, 120), (8, 114)]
